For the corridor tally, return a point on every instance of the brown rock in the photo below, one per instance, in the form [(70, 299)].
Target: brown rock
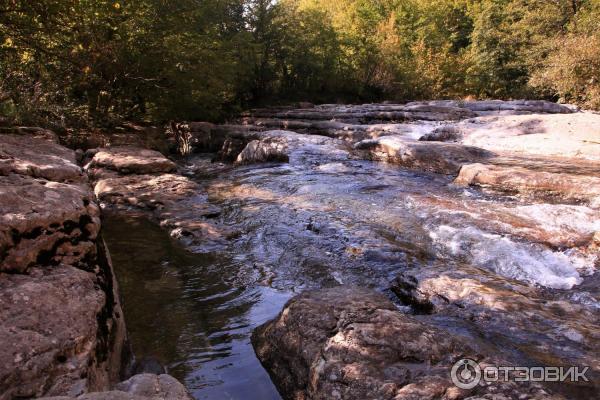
[(43, 222), (352, 343), (267, 150), (144, 191), (131, 160), (515, 317), (445, 158), (60, 320), (517, 179), (49, 329), (39, 158), (369, 112), (31, 132), (512, 107)]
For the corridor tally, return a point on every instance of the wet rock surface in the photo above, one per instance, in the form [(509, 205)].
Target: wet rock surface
[(568, 187), (493, 311), (62, 327), (493, 247), (352, 343)]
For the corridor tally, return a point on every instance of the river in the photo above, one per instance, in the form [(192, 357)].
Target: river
[(326, 219)]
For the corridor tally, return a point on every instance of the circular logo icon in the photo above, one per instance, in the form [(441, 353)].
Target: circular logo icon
[(466, 374)]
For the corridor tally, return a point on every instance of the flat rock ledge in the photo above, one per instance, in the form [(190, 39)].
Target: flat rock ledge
[(132, 160), (443, 158), (569, 187), (353, 343)]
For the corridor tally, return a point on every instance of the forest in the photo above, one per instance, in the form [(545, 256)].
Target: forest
[(95, 63)]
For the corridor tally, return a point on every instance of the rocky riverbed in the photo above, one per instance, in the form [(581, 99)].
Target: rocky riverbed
[(63, 329), (415, 234)]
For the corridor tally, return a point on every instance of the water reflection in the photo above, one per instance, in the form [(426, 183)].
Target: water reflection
[(193, 313)]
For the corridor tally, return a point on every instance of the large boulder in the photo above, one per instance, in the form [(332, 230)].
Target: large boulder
[(353, 343), (267, 150), (535, 326), (49, 329)]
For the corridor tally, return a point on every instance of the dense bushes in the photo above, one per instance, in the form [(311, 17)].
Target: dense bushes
[(98, 62)]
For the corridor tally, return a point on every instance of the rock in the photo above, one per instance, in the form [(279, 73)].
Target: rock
[(352, 343), (145, 191), (39, 158), (442, 134), (139, 387), (350, 132), (369, 112), (174, 201), (45, 222), (31, 132), (131, 160), (512, 107), (549, 135), (445, 158), (60, 319), (542, 329), (62, 329), (148, 365), (522, 180), (154, 386), (266, 150), (48, 323)]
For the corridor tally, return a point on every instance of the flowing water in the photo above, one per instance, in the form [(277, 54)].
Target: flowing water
[(325, 219)]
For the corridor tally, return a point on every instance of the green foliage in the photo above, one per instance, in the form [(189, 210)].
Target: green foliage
[(98, 62), (571, 70)]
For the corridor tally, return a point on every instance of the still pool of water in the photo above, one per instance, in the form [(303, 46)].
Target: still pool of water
[(186, 311)]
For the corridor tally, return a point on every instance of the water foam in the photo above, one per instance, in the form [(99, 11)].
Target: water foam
[(531, 263)]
